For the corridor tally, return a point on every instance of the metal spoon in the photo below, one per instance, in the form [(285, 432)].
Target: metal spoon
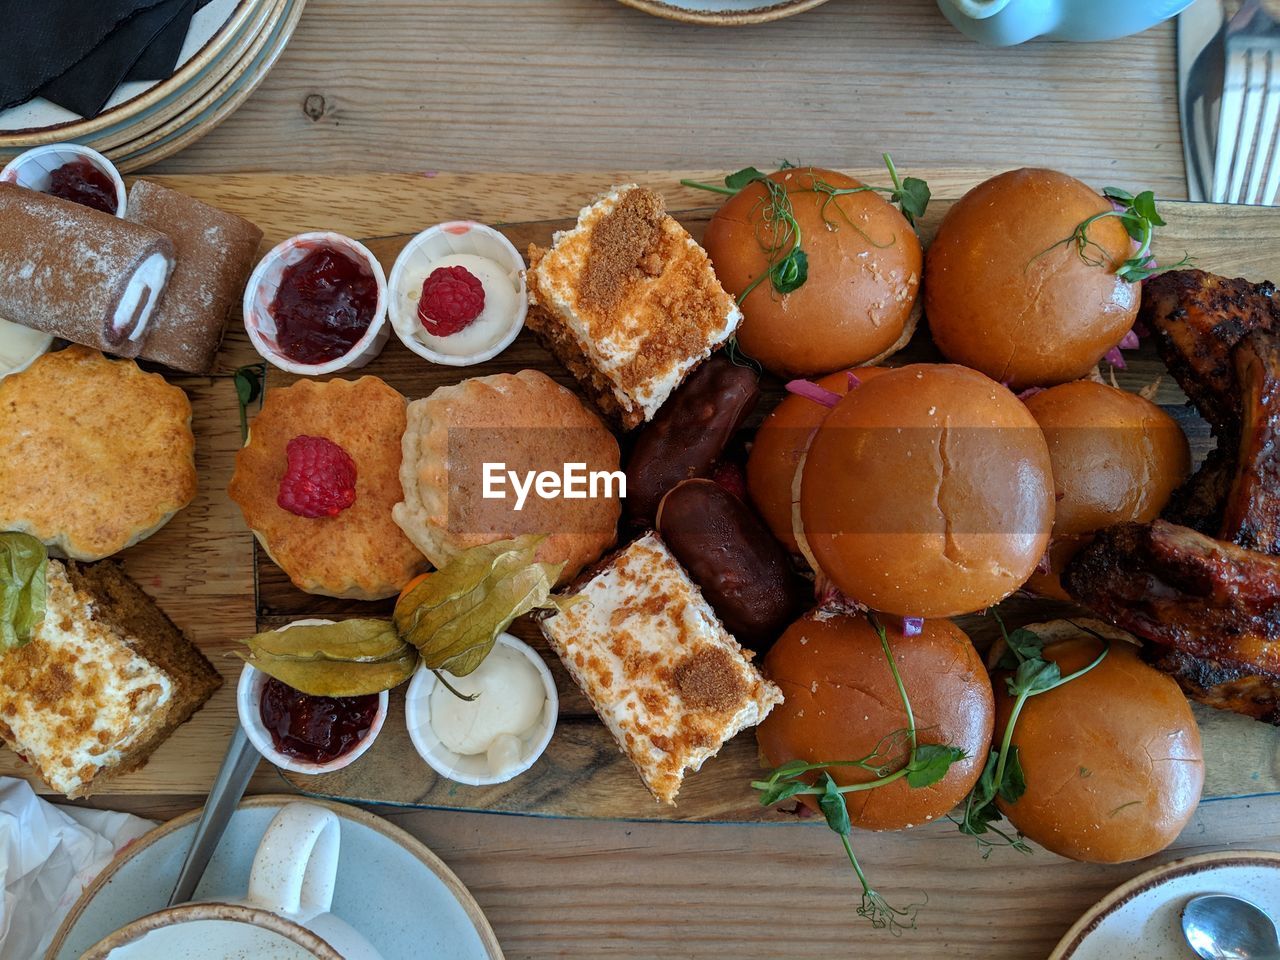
[(228, 787), (1228, 928)]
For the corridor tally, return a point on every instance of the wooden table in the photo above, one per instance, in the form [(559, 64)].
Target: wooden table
[(588, 84)]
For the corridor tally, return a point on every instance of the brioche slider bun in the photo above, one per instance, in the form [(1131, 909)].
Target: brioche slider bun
[(1112, 760), (779, 445), (927, 492), (859, 302), (1005, 295), (841, 703), (1116, 456)]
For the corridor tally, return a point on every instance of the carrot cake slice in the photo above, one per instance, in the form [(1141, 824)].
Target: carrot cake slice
[(628, 302), (664, 676)]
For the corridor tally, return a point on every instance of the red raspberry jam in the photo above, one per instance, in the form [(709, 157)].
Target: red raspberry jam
[(315, 729), (324, 305), (81, 182)]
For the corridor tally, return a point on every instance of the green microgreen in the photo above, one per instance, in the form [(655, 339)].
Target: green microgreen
[(249, 382), (1003, 777), (778, 233), (898, 755), (1140, 218)]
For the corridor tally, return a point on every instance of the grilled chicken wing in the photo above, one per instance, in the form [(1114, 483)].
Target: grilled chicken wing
[(1214, 604), (1197, 318), (1251, 516)]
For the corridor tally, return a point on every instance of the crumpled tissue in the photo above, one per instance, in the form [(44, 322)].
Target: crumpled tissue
[(48, 855)]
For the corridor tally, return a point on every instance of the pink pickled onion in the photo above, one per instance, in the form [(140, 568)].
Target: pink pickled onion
[(1030, 392), (854, 382), (1114, 357), (912, 626), (1129, 341), (811, 391)]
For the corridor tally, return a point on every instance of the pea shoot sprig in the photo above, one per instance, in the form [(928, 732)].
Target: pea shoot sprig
[(778, 232), (248, 381), (897, 756), (1002, 777), (1138, 214)]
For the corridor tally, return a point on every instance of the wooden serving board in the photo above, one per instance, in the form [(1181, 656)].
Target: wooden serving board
[(205, 571)]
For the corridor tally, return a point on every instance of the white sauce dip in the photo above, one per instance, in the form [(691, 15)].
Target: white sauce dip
[(500, 293), (508, 707), (19, 346)]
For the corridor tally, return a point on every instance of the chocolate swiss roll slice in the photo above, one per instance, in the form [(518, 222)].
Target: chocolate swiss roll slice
[(78, 273), (215, 253)]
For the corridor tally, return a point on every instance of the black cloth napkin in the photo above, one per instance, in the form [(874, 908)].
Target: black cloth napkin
[(88, 85), (42, 40), (160, 59)]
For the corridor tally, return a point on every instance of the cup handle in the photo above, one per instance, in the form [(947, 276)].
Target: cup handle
[(296, 864)]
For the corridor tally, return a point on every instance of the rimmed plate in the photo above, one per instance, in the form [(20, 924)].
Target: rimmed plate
[(211, 82), (1143, 918), (201, 118), (391, 888), (213, 29), (723, 13), (229, 81)]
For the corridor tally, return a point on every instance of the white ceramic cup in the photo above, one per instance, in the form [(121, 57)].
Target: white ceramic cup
[(261, 289), (249, 708), (474, 770), (285, 914), (33, 168), (442, 240)]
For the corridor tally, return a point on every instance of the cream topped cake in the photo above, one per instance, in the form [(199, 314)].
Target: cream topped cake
[(106, 678), (664, 676), (628, 302)]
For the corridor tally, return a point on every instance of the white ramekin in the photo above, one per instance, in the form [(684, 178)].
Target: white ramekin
[(261, 289), (33, 168), (474, 770), (249, 706), (448, 239)]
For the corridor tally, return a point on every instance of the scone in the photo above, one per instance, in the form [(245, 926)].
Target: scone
[(95, 454), (628, 302), (462, 446), (321, 507)]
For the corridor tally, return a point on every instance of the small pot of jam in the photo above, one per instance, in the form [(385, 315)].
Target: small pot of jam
[(72, 172), (317, 304), (316, 730), (80, 181)]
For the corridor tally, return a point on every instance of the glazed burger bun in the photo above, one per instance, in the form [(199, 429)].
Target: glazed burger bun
[(864, 265), (779, 447), (927, 492), (1116, 456), (1005, 295), (1112, 759), (841, 703)]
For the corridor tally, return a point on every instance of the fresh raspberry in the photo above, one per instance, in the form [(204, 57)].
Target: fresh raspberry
[(451, 298), (729, 475), (320, 480)]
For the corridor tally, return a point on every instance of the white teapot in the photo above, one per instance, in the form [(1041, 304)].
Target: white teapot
[(1002, 23), (284, 916)]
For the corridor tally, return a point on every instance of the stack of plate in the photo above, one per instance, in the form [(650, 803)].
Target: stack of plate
[(229, 49)]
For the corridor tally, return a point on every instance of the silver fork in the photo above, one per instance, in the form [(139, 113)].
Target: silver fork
[(1247, 162)]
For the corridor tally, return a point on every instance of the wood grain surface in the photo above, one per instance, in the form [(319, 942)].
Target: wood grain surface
[(503, 85), (395, 85)]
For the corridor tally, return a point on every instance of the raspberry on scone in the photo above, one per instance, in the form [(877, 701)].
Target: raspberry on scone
[(320, 480)]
